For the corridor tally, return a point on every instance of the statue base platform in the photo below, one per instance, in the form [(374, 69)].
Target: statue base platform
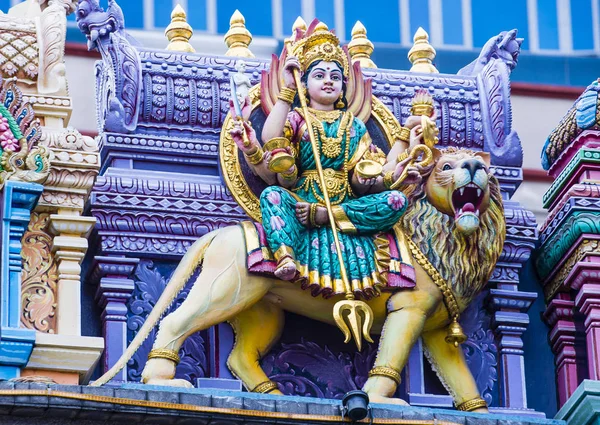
[(74, 404)]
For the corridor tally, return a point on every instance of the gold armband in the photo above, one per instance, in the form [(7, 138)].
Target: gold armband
[(255, 157), (287, 95), (404, 134), (470, 405), (164, 353), (388, 179), (388, 372)]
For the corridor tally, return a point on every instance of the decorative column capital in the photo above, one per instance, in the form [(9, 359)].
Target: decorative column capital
[(588, 301)]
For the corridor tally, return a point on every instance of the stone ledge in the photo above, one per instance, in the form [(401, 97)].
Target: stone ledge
[(66, 353), (134, 403)]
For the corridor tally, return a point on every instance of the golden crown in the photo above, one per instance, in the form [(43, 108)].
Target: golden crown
[(319, 44)]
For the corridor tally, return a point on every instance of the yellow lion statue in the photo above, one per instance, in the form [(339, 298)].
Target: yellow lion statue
[(456, 226)]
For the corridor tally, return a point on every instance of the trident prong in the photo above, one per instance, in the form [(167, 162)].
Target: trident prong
[(348, 317)]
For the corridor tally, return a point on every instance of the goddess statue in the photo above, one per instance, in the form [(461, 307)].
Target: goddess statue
[(294, 213)]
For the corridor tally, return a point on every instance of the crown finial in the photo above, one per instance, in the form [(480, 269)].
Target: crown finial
[(321, 26), (238, 38), (360, 47), (179, 31), (422, 54), (300, 24)]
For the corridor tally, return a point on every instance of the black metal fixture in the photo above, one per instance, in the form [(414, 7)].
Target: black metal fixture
[(355, 406)]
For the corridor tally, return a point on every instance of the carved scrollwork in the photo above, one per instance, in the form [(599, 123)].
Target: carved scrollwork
[(39, 276)]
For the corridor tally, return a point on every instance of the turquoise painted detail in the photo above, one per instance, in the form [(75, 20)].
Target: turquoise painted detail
[(583, 407), (576, 224), (314, 247), (16, 343), (587, 106), (583, 155)]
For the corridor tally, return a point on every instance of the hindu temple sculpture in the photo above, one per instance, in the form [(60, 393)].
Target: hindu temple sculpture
[(368, 227)]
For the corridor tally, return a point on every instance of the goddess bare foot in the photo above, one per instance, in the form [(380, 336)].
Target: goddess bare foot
[(286, 269), (303, 214)]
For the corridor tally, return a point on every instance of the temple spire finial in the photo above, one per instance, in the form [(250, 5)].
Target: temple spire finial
[(360, 47), (179, 31), (422, 54), (238, 38)]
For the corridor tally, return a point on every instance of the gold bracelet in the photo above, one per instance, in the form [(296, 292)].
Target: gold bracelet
[(265, 387), (388, 179), (164, 353), (402, 156), (404, 134), (388, 372), (312, 214), (287, 95), (470, 405), (290, 176), (255, 157)]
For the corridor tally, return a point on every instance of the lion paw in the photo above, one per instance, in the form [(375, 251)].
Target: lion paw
[(182, 383), (376, 398)]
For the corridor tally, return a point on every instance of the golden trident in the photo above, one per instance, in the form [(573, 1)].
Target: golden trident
[(347, 313)]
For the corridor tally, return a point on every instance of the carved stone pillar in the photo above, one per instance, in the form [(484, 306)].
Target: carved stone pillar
[(69, 247), (510, 321), (566, 346), (588, 301), (112, 275), (509, 305)]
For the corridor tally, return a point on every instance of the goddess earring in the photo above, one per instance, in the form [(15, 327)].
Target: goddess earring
[(340, 103)]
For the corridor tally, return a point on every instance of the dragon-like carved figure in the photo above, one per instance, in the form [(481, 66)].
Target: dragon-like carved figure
[(460, 190), (505, 47), (97, 24), (20, 158)]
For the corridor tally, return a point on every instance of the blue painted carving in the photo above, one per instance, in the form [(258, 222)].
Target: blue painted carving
[(480, 349), (16, 344), (150, 282)]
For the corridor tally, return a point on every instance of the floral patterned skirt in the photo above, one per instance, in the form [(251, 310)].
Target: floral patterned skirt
[(368, 244)]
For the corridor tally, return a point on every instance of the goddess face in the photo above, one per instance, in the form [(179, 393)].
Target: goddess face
[(324, 83)]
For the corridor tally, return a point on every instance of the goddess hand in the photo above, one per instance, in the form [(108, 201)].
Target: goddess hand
[(237, 133), (291, 63), (416, 136), (413, 175), (367, 182), (414, 120)]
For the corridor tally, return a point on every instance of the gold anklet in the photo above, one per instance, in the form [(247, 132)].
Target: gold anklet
[(265, 387), (388, 372), (164, 353), (470, 405)]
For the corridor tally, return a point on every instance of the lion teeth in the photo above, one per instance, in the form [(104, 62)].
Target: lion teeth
[(478, 192), (461, 190), (477, 213)]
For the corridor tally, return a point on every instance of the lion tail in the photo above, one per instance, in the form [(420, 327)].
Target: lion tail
[(189, 263)]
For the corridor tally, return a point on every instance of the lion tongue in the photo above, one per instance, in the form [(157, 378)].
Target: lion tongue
[(467, 208)]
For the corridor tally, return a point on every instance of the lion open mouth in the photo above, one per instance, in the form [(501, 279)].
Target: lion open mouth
[(466, 200)]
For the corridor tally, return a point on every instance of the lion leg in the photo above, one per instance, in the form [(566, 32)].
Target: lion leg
[(409, 311), (256, 330), (449, 363), (223, 290)]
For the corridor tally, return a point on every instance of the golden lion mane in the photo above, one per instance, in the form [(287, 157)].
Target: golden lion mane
[(466, 262)]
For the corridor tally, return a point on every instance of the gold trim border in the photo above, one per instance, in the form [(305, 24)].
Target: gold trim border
[(207, 409), (232, 171)]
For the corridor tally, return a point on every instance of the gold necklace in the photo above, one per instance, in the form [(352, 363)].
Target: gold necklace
[(331, 146), (327, 116)]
